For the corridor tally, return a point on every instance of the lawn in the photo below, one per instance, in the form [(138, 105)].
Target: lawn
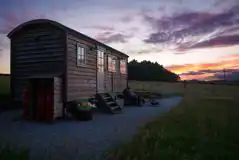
[(8, 153), (4, 85), (4, 91), (199, 90), (197, 129)]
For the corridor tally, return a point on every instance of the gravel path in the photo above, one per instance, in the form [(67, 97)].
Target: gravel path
[(78, 140)]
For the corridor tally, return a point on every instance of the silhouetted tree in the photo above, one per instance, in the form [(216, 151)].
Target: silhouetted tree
[(149, 71)]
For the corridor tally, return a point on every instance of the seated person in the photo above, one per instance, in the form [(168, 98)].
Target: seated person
[(131, 97)]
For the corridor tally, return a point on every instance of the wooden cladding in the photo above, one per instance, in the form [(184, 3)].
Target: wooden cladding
[(115, 82), (51, 48), (35, 50), (81, 79)]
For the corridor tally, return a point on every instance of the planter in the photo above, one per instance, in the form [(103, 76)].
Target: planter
[(84, 112), (84, 115), (80, 111)]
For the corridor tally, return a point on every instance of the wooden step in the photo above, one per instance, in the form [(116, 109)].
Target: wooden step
[(111, 103), (116, 110), (107, 103)]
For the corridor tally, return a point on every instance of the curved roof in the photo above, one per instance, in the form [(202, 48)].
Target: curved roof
[(61, 26)]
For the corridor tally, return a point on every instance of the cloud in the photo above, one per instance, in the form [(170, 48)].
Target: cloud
[(193, 28), (220, 41), (208, 71), (108, 37), (127, 19), (232, 75), (11, 19), (231, 56), (149, 50), (100, 27)]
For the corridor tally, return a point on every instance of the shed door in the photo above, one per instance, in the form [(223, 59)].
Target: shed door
[(100, 72)]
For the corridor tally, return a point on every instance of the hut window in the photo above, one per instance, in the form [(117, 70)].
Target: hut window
[(123, 66), (111, 64), (100, 61), (81, 55)]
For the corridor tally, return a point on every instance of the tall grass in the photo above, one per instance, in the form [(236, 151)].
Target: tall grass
[(198, 128)]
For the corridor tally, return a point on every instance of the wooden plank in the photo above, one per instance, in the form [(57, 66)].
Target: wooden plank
[(75, 96), (34, 42), (48, 32), (88, 65), (87, 68), (79, 83), (89, 55), (81, 78), (73, 73), (40, 60), (49, 51), (38, 47), (72, 38)]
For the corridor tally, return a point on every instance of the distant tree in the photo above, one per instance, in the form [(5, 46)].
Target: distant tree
[(149, 71)]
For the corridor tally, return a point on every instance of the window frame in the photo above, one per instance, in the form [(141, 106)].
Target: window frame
[(81, 62), (101, 63), (125, 66), (110, 63)]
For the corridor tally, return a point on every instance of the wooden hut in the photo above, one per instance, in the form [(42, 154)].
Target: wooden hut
[(46, 54)]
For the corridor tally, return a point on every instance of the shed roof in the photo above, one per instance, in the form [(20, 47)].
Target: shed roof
[(64, 28)]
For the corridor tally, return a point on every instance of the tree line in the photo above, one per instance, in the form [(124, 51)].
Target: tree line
[(149, 71)]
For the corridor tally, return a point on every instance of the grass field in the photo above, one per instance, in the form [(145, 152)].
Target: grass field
[(4, 85), (4, 91), (204, 126), (199, 90), (197, 129)]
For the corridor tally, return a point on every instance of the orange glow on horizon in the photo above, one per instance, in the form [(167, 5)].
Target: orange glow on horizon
[(231, 62)]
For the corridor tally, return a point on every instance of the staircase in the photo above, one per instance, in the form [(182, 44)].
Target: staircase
[(107, 103)]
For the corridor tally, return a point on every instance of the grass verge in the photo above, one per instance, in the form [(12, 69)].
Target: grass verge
[(198, 128), (8, 153)]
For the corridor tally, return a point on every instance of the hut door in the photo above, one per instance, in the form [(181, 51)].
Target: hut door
[(100, 72)]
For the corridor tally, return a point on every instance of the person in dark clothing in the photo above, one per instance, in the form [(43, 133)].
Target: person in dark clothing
[(131, 97)]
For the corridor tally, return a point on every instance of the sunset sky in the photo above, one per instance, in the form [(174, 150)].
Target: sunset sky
[(196, 39)]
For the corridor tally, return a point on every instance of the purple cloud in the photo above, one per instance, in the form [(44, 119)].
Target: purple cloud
[(188, 29), (231, 74), (218, 41), (100, 27), (127, 19), (108, 37), (200, 72)]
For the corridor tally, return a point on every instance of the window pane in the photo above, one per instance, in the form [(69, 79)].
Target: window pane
[(123, 66), (81, 55)]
